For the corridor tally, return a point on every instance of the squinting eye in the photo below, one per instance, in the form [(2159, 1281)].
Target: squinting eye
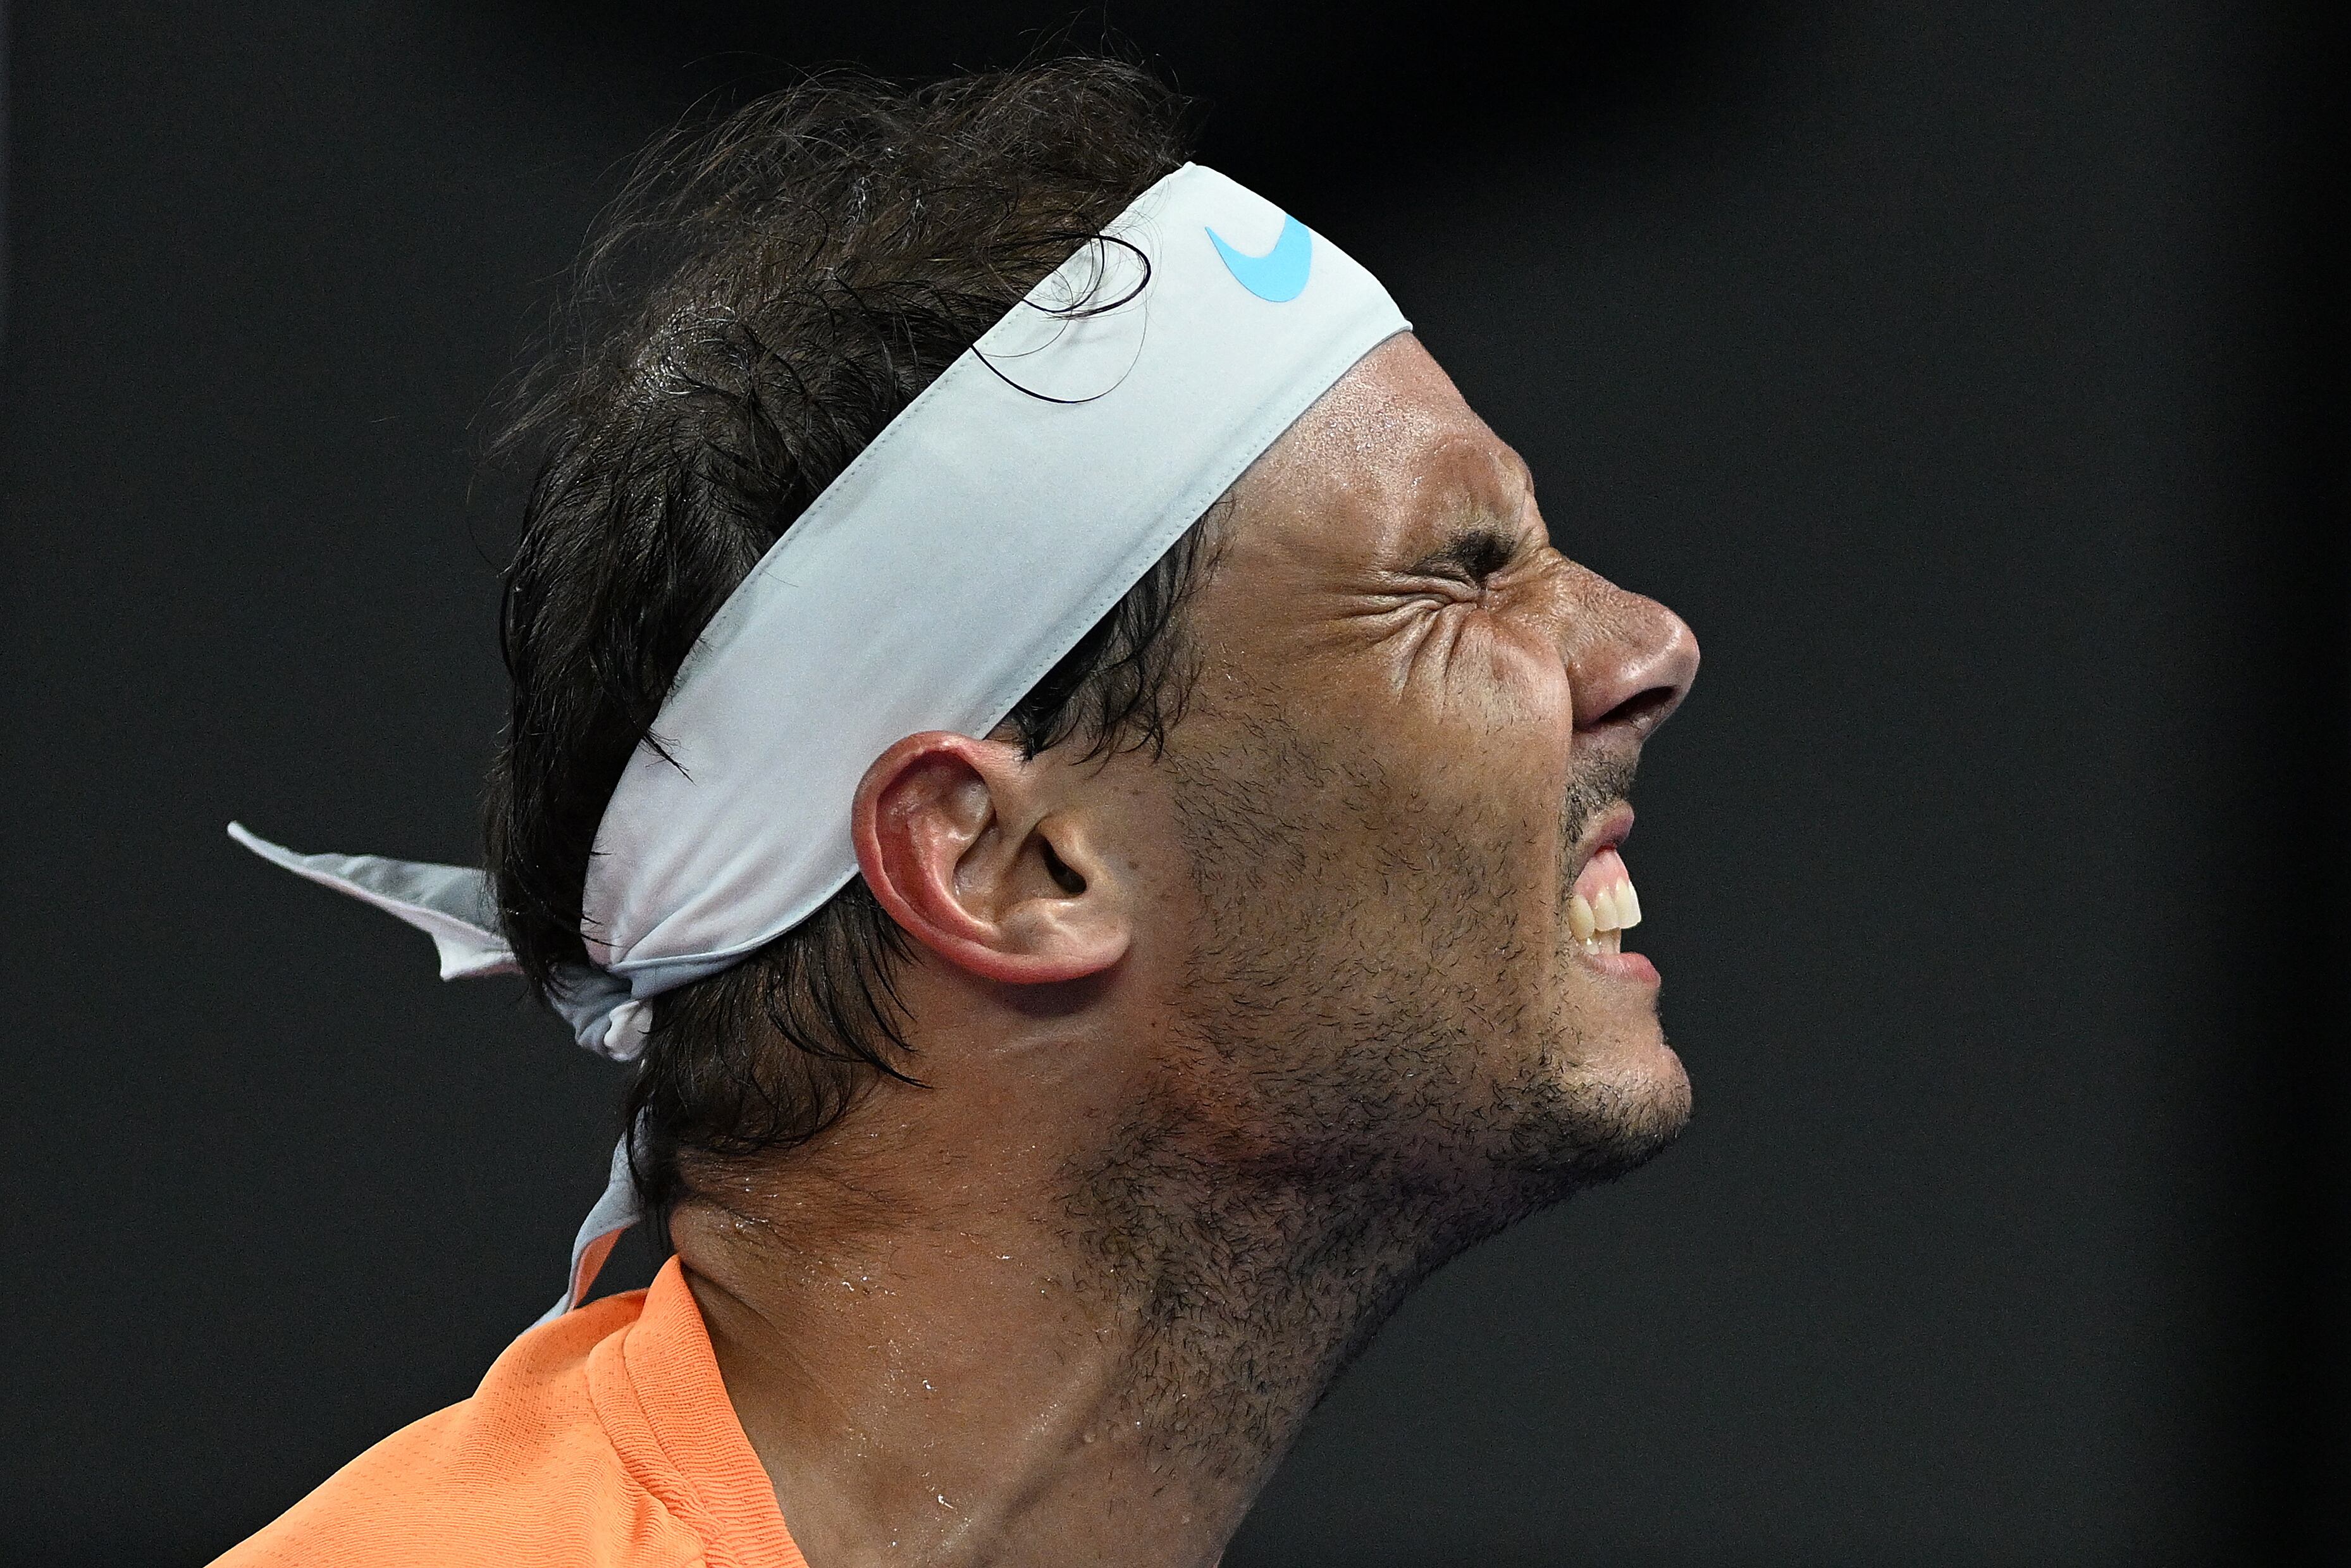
[(1471, 558)]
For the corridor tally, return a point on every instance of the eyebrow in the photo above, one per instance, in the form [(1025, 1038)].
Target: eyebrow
[(1476, 552)]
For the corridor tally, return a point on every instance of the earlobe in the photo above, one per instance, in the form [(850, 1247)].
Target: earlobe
[(957, 842)]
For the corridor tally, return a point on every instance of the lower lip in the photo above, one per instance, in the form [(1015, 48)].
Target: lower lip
[(1633, 966)]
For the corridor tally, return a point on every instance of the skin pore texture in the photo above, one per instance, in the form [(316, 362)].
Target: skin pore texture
[(1222, 1050)]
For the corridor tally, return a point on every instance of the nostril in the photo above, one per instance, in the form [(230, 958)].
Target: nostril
[(1641, 712)]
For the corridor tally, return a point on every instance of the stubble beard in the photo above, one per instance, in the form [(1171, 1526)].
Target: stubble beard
[(1359, 1092)]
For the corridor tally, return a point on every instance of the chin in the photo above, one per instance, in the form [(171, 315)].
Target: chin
[(1619, 1098), (1663, 1086)]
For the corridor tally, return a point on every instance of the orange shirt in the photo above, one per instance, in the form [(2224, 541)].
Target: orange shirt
[(603, 1438)]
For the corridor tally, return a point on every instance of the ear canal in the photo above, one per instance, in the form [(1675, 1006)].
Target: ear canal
[(1064, 878)]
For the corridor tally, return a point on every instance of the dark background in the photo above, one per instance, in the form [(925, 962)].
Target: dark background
[(1968, 375)]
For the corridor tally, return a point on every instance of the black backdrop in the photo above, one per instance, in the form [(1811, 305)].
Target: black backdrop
[(1966, 373)]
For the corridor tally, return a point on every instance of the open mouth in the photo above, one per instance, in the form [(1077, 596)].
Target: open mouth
[(1603, 905)]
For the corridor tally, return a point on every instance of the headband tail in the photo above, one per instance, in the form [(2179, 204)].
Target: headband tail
[(450, 903), (614, 1213)]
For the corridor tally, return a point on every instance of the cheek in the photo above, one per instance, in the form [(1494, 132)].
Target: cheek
[(1423, 788), (1524, 679), (1499, 721), (1485, 676)]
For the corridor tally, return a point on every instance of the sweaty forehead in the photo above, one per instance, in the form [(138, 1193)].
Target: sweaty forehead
[(1377, 470)]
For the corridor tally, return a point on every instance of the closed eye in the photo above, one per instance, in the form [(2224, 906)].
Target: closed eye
[(1471, 556)]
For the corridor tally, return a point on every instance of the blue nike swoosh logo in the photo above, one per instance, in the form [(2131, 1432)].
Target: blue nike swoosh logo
[(1280, 275)]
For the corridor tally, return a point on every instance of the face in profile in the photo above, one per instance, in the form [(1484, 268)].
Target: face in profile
[(1398, 792)]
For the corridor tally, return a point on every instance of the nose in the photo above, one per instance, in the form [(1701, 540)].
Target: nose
[(1630, 660)]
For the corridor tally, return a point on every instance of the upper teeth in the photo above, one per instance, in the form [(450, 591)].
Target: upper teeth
[(1616, 908)]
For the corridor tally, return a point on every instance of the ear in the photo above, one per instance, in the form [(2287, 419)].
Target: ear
[(958, 841)]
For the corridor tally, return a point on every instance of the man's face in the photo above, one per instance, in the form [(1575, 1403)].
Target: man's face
[(1398, 789)]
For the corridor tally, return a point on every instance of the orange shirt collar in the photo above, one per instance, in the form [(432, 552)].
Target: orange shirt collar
[(658, 1393)]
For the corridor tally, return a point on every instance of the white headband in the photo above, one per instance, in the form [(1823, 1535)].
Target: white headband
[(952, 565)]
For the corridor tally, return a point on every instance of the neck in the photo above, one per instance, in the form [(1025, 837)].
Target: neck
[(1042, 1355)]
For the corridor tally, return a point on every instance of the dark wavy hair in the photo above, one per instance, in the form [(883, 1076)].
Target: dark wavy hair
[(765, 296)]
